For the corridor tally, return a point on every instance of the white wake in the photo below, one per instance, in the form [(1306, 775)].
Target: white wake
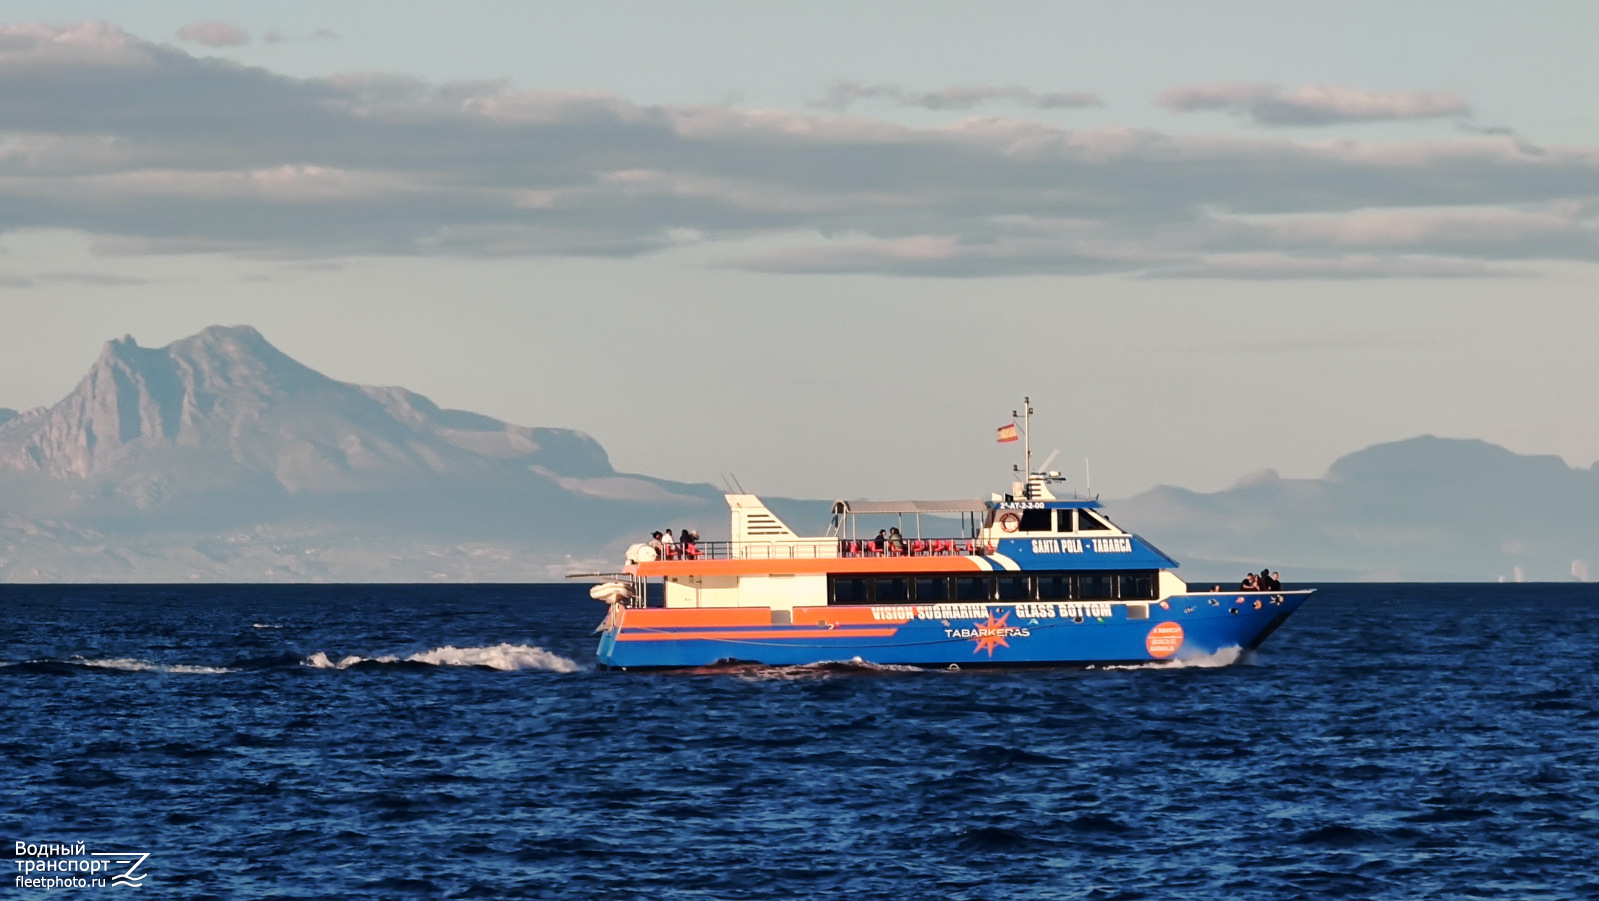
[(1223, 657), (131, 665), (506, 657)]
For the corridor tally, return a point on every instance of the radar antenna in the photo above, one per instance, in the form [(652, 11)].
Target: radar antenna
[(1043, 468)]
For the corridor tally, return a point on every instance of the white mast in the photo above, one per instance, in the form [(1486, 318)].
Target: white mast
[(1027, 443), (1027, 435)]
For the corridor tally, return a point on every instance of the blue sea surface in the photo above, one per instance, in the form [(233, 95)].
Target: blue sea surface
[(1388, 742)]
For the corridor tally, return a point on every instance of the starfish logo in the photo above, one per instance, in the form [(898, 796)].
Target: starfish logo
[(992, 634)]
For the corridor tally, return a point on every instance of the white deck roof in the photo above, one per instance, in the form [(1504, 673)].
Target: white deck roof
[(959, 506)]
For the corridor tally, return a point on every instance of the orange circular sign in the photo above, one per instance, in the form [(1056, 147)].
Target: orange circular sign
[(1164, 640), (1009, 522)]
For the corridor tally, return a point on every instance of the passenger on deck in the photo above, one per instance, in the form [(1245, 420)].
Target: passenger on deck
[(689, 541), (896, 541), (656, 545), (1250, 583), (668, 544), (879, 541), (1264, 580), (1276, 581)]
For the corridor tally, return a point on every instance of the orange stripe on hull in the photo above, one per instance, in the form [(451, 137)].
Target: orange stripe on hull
[(711, 617), (745, 635), (839, 565)]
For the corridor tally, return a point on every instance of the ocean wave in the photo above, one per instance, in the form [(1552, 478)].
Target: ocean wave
[(506, 657), (125, 664)]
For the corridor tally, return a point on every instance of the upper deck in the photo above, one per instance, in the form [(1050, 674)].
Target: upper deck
[(1002, 533)]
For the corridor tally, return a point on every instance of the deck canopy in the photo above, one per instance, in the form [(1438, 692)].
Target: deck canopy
[(841, 508)]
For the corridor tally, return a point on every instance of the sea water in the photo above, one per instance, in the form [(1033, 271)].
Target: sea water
[(1389, 741)]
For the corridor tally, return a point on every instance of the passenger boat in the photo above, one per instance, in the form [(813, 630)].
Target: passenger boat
[(1029, 579)]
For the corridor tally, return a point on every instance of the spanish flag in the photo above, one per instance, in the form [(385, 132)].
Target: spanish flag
[(1008, 433)]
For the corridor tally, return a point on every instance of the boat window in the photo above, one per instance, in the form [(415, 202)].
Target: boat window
[(1064, 521), (852, 591), (1056, 587), (1089, 522), (932, 589), (1138, 611), (1138, 585), (971, 588), (1096, 587), (892, 591), (1015, 588), (1037, 520)]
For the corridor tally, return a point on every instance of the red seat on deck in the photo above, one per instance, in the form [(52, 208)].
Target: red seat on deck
[(918, 547)]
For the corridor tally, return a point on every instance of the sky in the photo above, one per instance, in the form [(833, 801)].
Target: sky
[(828, 247)]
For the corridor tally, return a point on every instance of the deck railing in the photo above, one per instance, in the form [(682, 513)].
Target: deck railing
[(825, 548)]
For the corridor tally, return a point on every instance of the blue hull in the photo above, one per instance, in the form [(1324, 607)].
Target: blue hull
[(1010, 634)]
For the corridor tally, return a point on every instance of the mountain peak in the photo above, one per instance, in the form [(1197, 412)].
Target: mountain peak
[(233, 408), (1430, 458), (135, 399), (230, 335), (232, 341), (122, 348)]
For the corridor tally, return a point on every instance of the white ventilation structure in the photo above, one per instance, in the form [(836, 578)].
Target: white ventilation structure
[(753, 522)]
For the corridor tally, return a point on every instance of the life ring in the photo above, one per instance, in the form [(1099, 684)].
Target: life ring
[(1010, 522)]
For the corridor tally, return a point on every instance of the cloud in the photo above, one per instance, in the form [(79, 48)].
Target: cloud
[(275, 36), (842, 94), (1353, 266), (98, 279), (151, 150), (214, 34), (1549, 230), (1266, 104), (34, 49)]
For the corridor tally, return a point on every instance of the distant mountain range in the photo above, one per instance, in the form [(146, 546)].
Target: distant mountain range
[(220, 458), (1424, 509)]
